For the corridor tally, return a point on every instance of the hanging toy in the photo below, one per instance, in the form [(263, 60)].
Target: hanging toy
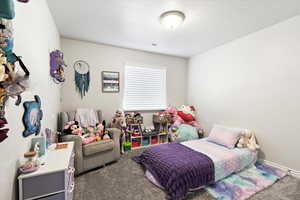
[(12, 82), (82, 77), (7, 9), (56, 66), (23, 1), (3, 131)]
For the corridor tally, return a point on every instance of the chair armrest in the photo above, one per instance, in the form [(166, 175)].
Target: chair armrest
[(77, 149), (73, 138)]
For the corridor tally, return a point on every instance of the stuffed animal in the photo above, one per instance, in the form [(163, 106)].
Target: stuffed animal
[(248, 140), (91, 131), (73, 127), (3, 62), (106, 136), (118, 120), (187, 113), (100, 130)]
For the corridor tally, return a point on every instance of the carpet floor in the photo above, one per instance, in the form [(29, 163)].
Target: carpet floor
[(125, 180)]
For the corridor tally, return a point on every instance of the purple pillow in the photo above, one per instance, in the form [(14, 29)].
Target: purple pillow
[(224, 136)]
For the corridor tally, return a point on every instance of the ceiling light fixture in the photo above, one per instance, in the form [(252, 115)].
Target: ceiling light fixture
[(172, 19)]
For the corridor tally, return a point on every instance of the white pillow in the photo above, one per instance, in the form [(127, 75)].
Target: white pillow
[(224, 136)]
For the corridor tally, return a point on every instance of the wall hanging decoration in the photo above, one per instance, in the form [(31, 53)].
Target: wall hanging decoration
[(12, 82), (7, 9), (3, 131), (110, 81), (32, 117), (82, 77), (57, 65), (23, 1)]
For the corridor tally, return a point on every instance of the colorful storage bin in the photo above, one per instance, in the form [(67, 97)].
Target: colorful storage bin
[(127, 146), (146, 141), (154, 139), (136, 143)]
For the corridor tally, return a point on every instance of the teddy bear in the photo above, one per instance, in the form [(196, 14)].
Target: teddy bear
[(248, 140)]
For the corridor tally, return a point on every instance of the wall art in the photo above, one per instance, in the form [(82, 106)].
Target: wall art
[(57, 65), (110, 82), (32, 116)]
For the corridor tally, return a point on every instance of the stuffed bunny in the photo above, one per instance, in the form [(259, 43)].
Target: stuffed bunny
[(248, 140)]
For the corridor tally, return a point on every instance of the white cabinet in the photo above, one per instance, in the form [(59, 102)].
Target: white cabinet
[(52, 181)]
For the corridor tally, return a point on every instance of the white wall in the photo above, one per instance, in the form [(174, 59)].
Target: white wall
[(253, 82), (35, 36), (109, 58)]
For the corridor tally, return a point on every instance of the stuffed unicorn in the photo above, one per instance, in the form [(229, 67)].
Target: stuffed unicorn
[(248, 140)]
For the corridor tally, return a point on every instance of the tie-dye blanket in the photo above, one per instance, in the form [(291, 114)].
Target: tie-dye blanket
[(243, 185), (226, 161)]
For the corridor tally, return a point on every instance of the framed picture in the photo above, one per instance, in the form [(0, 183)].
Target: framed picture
[(110, 81)]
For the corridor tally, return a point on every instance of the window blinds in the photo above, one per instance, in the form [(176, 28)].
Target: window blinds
[(145, 89)]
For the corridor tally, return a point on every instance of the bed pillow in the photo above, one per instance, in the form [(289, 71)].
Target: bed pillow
[(185, 133), (224, 136)]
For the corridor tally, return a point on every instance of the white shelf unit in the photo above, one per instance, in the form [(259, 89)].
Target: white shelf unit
[(161, 138)]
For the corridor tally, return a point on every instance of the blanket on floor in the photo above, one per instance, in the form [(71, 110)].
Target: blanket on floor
[(177, 168), (242, 185)]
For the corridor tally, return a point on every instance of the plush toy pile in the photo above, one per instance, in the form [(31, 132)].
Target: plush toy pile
[(184, 120), (89, 134)]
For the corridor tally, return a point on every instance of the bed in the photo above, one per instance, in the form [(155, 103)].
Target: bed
[(215, 162)]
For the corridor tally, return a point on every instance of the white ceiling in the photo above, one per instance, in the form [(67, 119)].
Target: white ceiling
[(134, 23)]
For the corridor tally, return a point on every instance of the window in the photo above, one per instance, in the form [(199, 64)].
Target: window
[(145, 89)]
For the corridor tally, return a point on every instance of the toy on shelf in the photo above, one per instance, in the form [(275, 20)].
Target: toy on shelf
[(138, 135), (133, 118), (161, 122)]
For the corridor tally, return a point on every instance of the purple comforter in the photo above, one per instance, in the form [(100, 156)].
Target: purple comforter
[(177, 168)]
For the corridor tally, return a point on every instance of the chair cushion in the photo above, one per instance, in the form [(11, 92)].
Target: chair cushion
[(97, 147)]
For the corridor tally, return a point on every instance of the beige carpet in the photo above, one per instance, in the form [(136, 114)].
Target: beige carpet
[(125, 180)]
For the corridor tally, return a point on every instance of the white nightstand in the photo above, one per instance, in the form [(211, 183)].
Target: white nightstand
[(52, 181)]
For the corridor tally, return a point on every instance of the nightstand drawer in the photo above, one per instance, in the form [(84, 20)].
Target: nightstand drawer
[(46, 184), (59, 196)]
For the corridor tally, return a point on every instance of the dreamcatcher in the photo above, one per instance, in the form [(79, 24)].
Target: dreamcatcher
[(82, 77)]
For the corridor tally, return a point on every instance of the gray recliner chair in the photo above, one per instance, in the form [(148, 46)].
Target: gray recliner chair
[(91, 155)]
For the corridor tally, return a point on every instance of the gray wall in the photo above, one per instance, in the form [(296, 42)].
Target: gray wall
[(109, 58), (253, 82), (35, 36)]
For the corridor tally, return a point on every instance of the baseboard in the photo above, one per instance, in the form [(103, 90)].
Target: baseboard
[(290, 171)]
